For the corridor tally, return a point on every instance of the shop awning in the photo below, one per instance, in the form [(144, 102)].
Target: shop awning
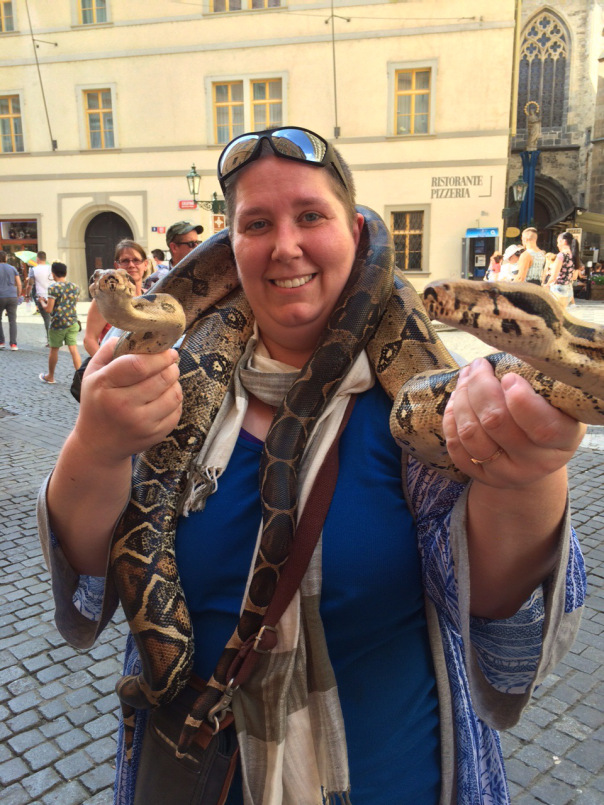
[(567, 215), (579, 217), (590, 221)]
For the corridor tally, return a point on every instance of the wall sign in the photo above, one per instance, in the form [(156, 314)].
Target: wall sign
[(462, 186)]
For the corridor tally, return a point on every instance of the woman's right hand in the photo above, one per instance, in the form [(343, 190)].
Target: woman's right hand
[(128, 404)]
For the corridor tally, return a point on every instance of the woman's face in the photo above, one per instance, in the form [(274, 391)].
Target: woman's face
[(294, 248), (128, 259)]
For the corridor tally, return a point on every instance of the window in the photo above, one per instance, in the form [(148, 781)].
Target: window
[(11, 131), (408, 232), (543, 73), (246, 105), (7, 22), (99, 118), (219, 6), (412, 88), (266, 104), (93, 11)]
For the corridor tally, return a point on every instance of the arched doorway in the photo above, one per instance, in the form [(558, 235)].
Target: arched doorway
[(102, 234)]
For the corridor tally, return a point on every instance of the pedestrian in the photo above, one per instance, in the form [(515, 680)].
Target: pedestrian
[(64, 325), (433, 610), (161, 268), (567, 262), (532, 261), (181, 241), (37, 283), (10, 293), (509, 264), (131, 257), (548, 268), (494, 268)]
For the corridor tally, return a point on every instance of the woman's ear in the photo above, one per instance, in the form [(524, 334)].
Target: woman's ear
[(357, 228)]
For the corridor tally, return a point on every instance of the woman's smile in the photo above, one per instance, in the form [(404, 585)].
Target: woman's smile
[(293, 282)]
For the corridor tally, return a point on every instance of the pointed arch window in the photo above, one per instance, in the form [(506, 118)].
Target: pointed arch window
[(544, 60)]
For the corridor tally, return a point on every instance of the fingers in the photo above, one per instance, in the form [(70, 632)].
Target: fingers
[(513, 434), (130, 403)]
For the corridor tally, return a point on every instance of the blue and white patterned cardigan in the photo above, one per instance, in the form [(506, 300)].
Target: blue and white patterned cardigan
[(486, 670)]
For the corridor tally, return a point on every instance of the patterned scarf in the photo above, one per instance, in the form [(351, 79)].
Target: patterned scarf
[(288, 715)]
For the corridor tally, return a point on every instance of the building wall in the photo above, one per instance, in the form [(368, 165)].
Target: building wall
[(567, 157), (160, 70)]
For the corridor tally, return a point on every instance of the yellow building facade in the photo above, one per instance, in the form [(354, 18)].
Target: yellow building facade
[(106, 104)]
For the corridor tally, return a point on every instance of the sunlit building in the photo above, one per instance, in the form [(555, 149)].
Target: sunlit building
[(105, 105)]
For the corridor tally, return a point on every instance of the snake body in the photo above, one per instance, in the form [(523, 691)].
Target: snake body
[(379, 311)]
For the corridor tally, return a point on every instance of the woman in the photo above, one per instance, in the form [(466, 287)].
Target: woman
[(567, 262), (494, 267), (132, 258), (406, 676), (509, 265)]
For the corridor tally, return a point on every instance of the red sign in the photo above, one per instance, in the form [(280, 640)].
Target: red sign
[(187, 204), (219, 222)]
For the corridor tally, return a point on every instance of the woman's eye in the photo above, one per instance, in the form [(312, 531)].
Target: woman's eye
[(311, 217)]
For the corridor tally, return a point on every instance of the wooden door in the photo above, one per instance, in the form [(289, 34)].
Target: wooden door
[(103, 233)]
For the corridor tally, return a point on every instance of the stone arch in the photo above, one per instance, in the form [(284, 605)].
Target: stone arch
[(544, 69), (74, 241), (553, 197)]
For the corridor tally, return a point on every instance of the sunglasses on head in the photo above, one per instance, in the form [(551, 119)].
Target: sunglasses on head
[(292, 142)]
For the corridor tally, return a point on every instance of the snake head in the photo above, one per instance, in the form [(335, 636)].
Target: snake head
[(111, 280)]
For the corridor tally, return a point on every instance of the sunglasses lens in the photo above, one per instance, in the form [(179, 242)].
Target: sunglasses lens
[(303, 145), (237, 153)]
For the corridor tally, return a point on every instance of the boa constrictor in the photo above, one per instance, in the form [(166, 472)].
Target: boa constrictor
[(378, 311)]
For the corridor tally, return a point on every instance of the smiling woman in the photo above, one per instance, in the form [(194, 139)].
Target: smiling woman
[(420, 626)]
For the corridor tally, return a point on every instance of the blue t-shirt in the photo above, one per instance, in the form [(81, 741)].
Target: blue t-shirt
[(372, 604), (8, 285)]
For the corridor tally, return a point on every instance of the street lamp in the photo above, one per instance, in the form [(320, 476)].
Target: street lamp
[(194, 180), (519, 189)]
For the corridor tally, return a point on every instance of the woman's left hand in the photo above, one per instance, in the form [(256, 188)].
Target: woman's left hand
[(507, 420)]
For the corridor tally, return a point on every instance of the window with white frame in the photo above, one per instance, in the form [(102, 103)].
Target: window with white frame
[(7, 19), (98, 118), (408, 227), (92, 12), (411, 98), (11, 128), (220, 6), (250, 104)]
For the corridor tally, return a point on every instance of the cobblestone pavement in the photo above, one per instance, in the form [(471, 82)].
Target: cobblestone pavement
[(58, 711)]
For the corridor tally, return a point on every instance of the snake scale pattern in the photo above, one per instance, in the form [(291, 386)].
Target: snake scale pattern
[(378, 310)]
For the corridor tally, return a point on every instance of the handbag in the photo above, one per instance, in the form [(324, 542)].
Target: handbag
[(205, 773), (76, 383)]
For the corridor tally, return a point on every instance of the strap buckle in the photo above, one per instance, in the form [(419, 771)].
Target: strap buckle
[(219, 711), (258, 639)]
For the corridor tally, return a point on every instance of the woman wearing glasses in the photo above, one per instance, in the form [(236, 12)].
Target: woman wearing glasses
[(427, 626), (132, 258)]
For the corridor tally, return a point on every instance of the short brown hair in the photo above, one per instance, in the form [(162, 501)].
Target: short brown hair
[(345, 195)]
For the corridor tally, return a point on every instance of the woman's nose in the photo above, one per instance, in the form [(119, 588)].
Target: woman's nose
[(286, 246)]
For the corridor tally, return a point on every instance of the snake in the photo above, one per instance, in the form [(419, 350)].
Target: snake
[(378, 311)]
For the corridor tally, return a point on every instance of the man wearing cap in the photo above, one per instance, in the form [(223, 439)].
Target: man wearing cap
[(181, 238), (509, 267)]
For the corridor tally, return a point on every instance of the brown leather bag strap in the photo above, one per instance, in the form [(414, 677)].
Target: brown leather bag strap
[(305, 541)]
